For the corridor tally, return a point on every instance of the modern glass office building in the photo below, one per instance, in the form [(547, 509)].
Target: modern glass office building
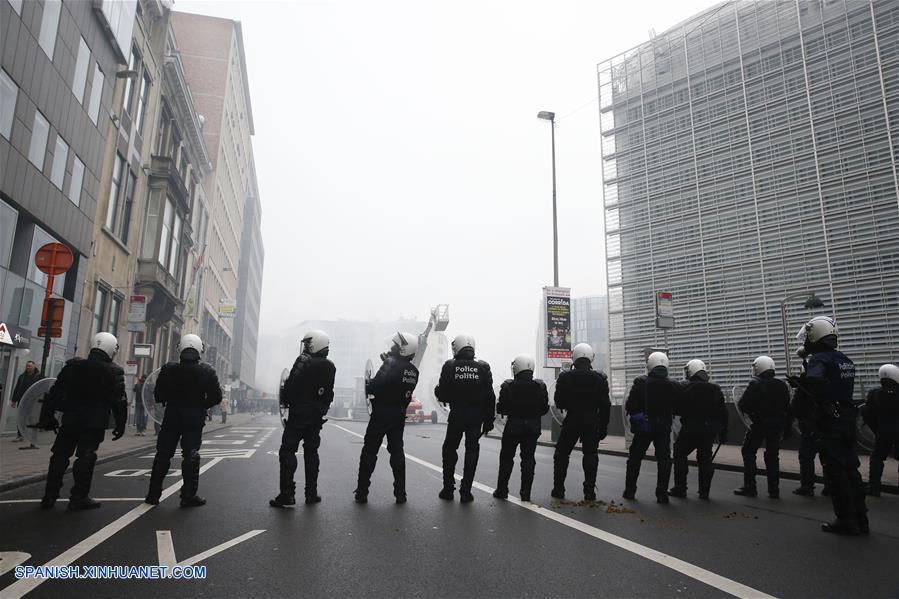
[(751, 152)]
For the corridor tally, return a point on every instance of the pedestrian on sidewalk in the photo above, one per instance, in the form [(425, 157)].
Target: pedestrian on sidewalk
[(187, 389), (583, 393), (523, 400), (86, 392), (466, 384), (703, 415), (766, 402), (650, 404), (140, 411), (308, 391), (28, 377), (881, 414), (824, 392), (223, 408), (390, 391)]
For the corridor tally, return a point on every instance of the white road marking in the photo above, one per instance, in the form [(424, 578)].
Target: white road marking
[(704, 576), (21, 587), (61, 500), (224, 441), (130, 472), (165, 548), (11, 559)]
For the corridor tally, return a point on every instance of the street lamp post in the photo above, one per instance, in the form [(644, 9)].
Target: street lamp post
[(812, 301), (551, 117)]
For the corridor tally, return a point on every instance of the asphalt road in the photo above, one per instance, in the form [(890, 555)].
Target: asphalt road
[(432, 548)]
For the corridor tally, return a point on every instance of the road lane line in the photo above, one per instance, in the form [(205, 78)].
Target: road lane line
[(218, 548), (61, 500), (24, 586), (702, 575), (165, 548)]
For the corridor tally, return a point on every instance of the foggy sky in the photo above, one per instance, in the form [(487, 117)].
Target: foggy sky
[(401, 164)]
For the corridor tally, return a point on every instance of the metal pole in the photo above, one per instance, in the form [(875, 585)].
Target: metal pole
[(555, 222), (783, 320), (48, 320)]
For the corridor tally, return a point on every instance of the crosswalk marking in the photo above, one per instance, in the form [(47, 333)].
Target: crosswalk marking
[(218, 452)]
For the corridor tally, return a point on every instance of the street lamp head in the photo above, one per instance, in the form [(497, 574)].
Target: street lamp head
[(546, 116), (814, 302)]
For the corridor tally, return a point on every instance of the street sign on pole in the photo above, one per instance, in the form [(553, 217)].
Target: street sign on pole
[(52, 259), (137, 314), (664, 310)]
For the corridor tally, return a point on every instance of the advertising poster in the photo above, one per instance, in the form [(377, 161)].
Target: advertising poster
[(557, 302)]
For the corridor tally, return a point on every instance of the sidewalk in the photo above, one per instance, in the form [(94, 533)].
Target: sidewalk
[(730, 458), (25, 466)]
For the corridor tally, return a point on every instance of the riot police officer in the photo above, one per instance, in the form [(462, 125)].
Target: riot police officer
[(824, 392), (523, 400), (186, 389), (391, 390), (881, 414), (466, 385), (808, 447), (650, 404), (308, 392), (703, 416), (766, 401), (584, 395), (86, 391)]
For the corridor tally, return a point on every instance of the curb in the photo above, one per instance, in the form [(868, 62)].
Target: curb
[(890, 489), (36, 478)]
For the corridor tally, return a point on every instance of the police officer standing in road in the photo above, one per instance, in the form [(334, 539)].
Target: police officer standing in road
[(584, 395), (881, 414), (703, 416), (466, 384), (808, 447), (308, 392), (523, 400), (824, 393), (86, 391), (186, 389), (391, 390), (766, 401), (650, 404)]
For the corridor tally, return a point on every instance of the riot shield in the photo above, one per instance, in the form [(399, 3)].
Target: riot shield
[(736, 393), (557, 414), (155, 411), (284, 410), (369, 373), (30, 409), (499, 421)]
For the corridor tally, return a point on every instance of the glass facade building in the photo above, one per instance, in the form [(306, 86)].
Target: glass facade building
[(748, 153), (589, 324)]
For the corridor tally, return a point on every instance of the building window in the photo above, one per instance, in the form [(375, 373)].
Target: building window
[(125, 221), (113, 209), (99, 314), (9, 91), (76, 181), (49, 25), (39, 132), (175, 252), (142, 97), (168, 222), (79, 82), (60, 158), (93, 108), (115, 311), (127, 99)]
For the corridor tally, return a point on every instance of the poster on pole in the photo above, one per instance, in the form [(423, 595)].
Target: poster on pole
[(557, 304), (664, 310)]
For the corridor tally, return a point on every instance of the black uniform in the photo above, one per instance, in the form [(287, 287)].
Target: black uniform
[(523, 400), (308, 392), (651, 399), (86, 391), (881, 414), (703, 416), (824, 400), (391, 389), (186, 389), (766, 401), (584, 395), (466, 384)]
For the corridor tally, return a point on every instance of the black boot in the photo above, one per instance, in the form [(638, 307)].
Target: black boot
[(465, 495), (447, 493), (560, 471), (83, 503), (192, 501), (83, 473), (366, 467), (841, 527), (527, 477), (502, 479), (805, 491), (190, 474), (285, 497), (590, 463), (161, 466), (398, 465), (747, 491)]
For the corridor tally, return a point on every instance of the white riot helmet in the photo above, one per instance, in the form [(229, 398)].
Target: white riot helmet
[(693, 368), (462, 341), (191, 341), (817, 329), (582, 350), (522, 363), (106, 343), (889, 372), (655, 360), (404, 344), (762, 364), (315, 341)]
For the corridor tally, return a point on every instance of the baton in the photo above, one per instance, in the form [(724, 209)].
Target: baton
[(716, 451)]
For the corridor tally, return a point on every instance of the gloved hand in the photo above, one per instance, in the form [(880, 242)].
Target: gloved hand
[(722, 437), (384, 356), (603, 432), (48, 424), (118, 432), (488, 426)]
